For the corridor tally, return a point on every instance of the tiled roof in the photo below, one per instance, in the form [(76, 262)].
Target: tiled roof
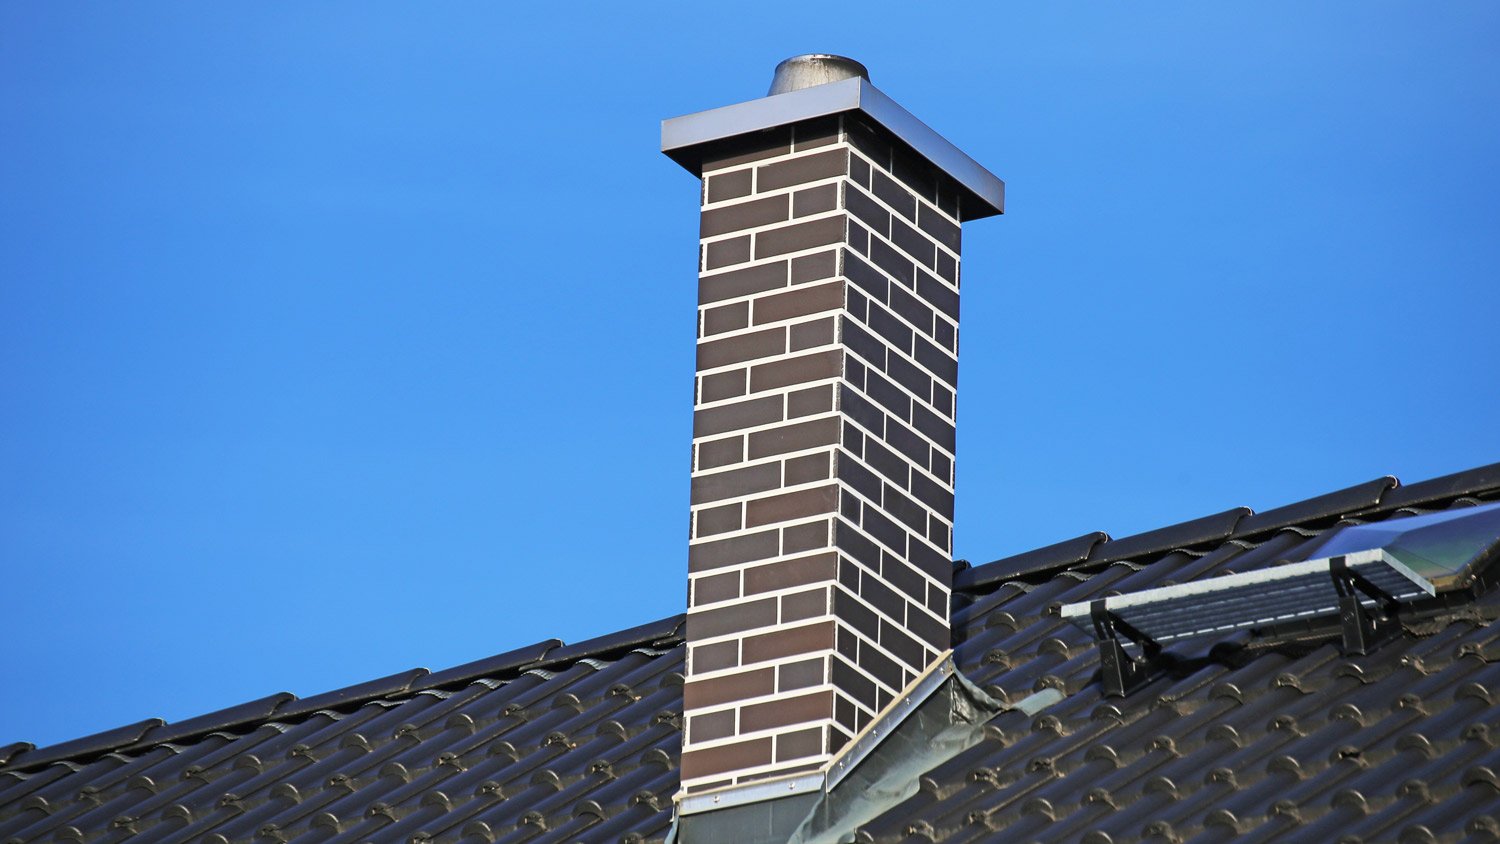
[(557, 743)]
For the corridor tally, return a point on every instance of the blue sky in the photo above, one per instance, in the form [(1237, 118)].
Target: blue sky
[(339, 339)]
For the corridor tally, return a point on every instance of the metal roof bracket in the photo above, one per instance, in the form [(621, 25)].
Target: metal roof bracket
[(1120, 672), (1364, 627)]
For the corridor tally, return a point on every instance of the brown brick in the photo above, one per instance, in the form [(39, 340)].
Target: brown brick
[(727, 318), (799, 370), (715, 657), (716, 453), (799, 675), (799, 301), (714, 725), (815, 266), (913, 243), (742, 215), (802, 571), (807, 335), (726, 757), (807, 402), (863, 206), (794, 437), (776, 644), (797, 237), (745, 414), (801, 606), (715, 588), (736, 618), (714, 520), (738, 549), (722, 385), (791, 505), (806, 469), (809, 537), (701, 694), (806, 168), (896, 640), (799, 744), (815, 200), (793, 710), (818, 132), (750, 280), (895, 194), (722, 253), (935, 633), (730, 185), (744, 149), (735, 482), (740, 348)]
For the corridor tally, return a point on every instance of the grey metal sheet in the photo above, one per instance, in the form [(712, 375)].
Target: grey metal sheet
[(681, 135)]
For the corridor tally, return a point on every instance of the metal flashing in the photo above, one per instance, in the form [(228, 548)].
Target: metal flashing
[(844, 763), (841, 764), (755, 792), (682, 138)]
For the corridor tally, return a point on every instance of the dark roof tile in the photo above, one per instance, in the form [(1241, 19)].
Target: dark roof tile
[(1046, 560), (498, 665), (1315, 510), (88, 746), (580, 742), (9, 750), (1142, 547), (665, 631), (235, 716), (1471, 482), (350, 696)]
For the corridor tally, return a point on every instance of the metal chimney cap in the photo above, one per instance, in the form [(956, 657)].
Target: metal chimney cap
[(811, 69)]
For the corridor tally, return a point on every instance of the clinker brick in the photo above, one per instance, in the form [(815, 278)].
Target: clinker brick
[(798, 236), (743, 215), (741, 347), (750, 280), (738, 756), (703, 556), (727, 318), (716, 453), (799, 301), (798, 709), (800, 571), (735, 482), (794, 437), (730, 185), (798, 370), (791, 505), (808, 335), (730, 417), (808, 639), (722, 253), (735, 618), (808, 168)]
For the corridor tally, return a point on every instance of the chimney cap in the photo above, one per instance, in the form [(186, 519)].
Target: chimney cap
[(811, 69), (684, 139)]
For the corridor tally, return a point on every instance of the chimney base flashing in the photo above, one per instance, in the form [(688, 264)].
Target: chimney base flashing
[(938, 716), (684, 139), (832, 772)]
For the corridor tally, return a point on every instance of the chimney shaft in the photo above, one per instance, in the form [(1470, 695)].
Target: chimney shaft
[(823, 438)]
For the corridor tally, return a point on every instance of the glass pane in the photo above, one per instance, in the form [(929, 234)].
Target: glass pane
[(1446, 548)]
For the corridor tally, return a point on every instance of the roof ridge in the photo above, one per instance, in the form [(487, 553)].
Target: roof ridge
[(550, 654), (1382, 495)]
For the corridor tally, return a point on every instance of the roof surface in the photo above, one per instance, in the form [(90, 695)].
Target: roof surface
[(559, 743)]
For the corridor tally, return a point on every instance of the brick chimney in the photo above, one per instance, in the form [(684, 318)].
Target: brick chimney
[(819, 557)]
